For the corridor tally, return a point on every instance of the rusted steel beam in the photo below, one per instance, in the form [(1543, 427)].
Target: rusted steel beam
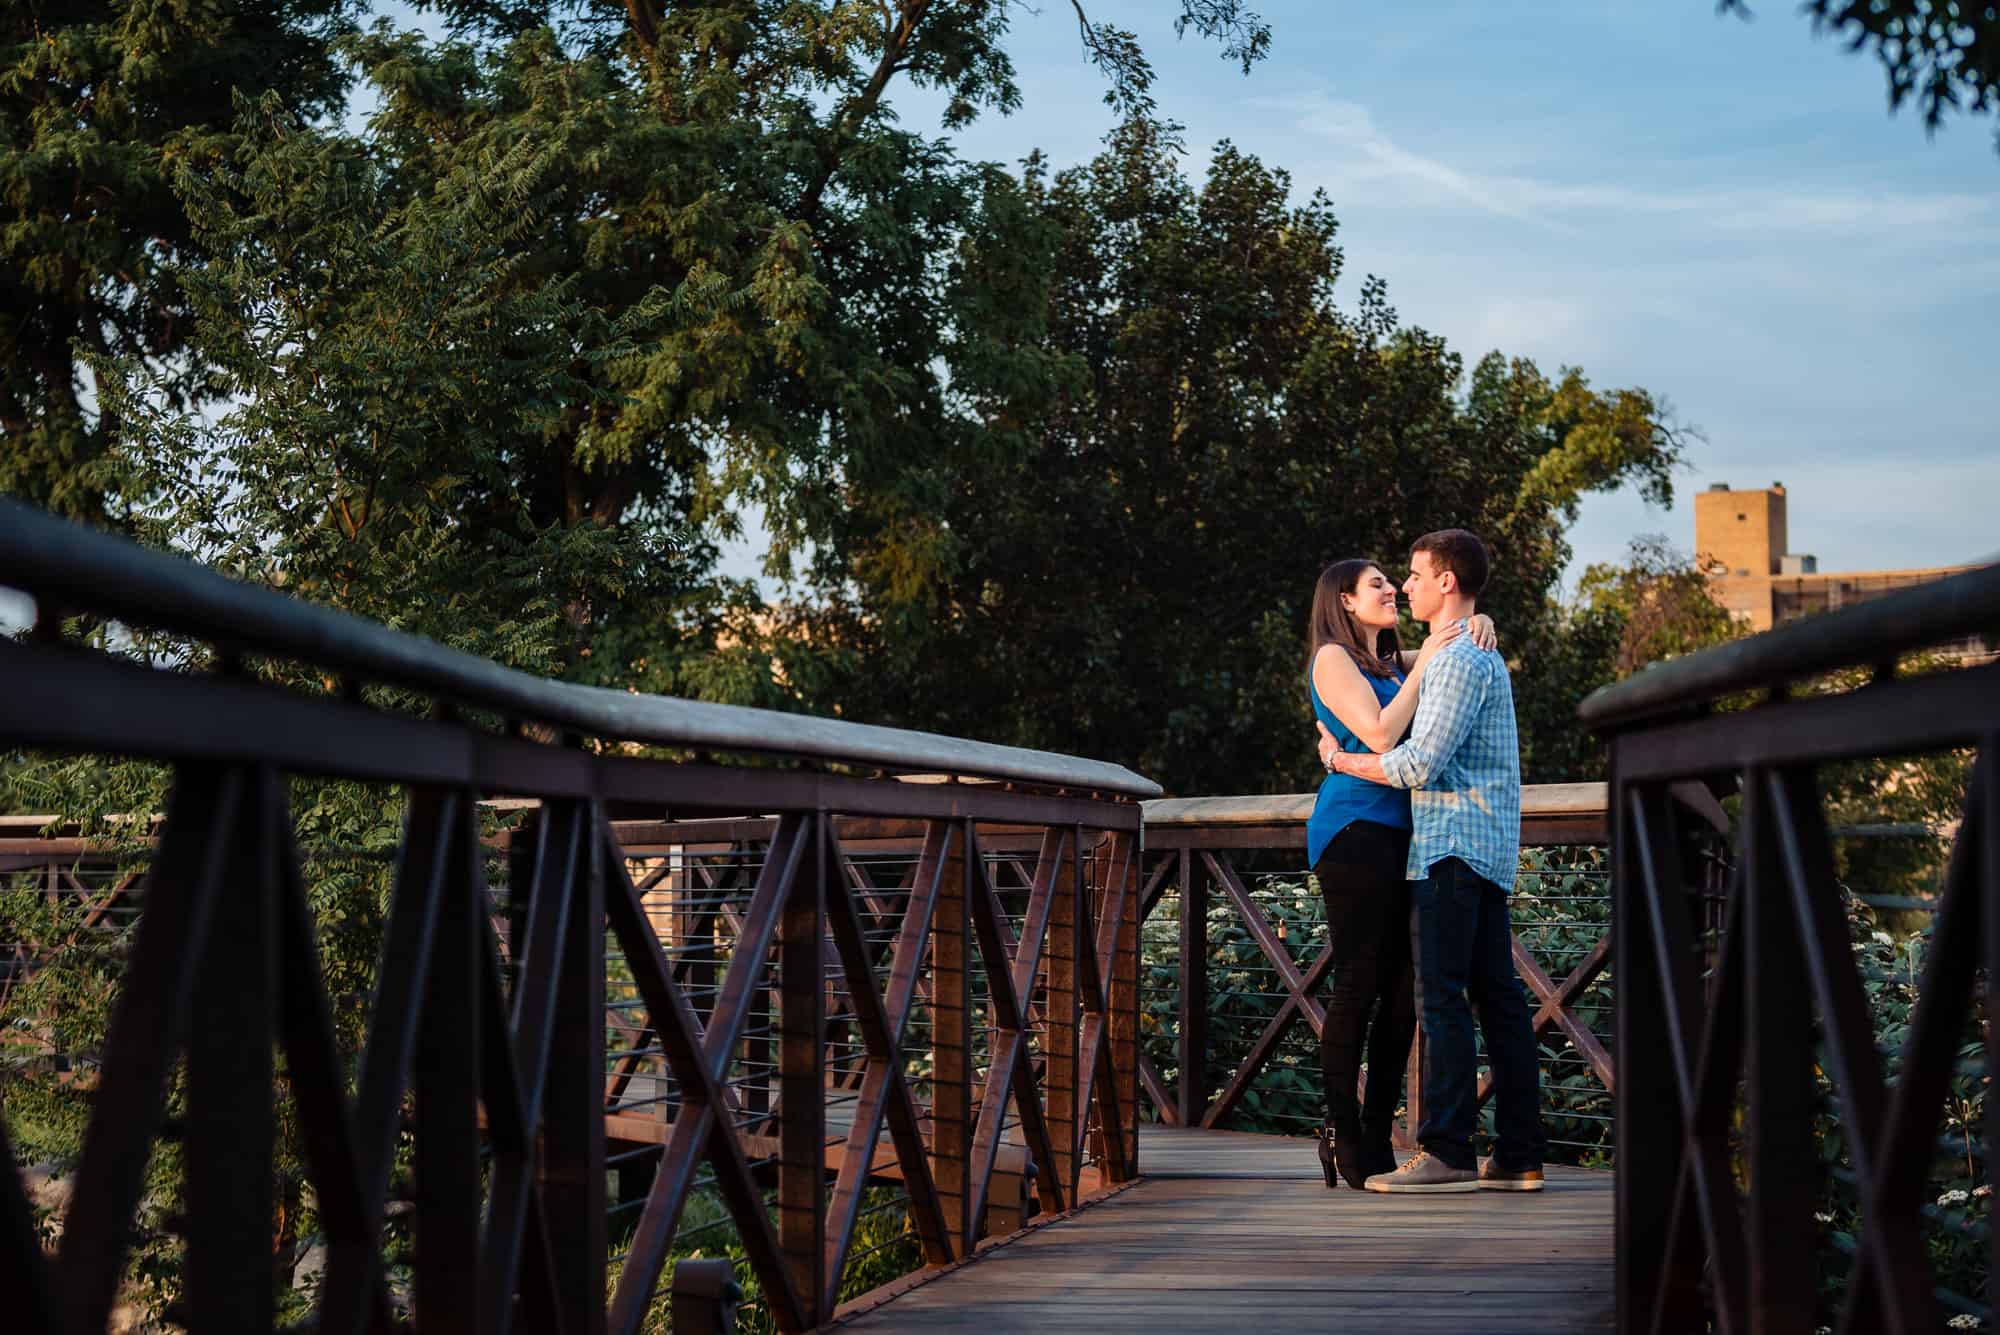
[(231, 1125), (1669, 927), (1124, 999), (571, 1178), (1009, 1074), (800, 1031), (883, 1090), (951, 1041), (700, 1059), (516, 1252), (1267, 1042), (146, 1032), (1193, 969), (445, 1085), (1064, 1100), (1892, 1268)]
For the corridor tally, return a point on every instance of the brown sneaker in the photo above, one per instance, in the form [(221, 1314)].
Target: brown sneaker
[(1492, 1177), (1424, 1172)]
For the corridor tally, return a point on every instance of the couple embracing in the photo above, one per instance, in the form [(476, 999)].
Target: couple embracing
[(1414, 841)]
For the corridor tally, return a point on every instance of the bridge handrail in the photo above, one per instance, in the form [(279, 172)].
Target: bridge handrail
[(1537, 800), (1769, 1011), (77, 567), (1874, 632)]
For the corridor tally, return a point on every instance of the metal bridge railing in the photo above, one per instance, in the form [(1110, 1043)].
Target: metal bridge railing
[(1235, 966), (1782, 1154), (723, 1011)]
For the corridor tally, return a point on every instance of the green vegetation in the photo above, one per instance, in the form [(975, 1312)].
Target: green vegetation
[(1047, 457)]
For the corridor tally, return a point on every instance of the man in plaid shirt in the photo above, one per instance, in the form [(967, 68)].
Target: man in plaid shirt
[(1462, 765)]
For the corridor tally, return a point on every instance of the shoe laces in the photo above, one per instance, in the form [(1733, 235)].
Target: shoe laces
[(1415, 1161)]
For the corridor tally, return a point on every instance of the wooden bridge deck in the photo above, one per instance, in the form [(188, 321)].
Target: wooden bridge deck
[(1236, 1233)]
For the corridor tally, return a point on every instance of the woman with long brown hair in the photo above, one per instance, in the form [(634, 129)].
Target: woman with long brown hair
[(1364, 689)]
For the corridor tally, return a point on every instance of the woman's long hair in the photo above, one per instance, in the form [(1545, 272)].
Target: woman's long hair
[(1374, 652)]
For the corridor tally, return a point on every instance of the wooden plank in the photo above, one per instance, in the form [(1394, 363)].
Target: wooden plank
[(1230, 1230)]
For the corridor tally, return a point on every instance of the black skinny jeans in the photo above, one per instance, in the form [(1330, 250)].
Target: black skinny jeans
[(1361, 877)]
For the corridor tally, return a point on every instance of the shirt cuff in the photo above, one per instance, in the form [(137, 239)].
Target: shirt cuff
[(1396, 767)]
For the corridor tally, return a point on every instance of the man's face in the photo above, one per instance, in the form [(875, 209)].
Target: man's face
[(1425, 588)]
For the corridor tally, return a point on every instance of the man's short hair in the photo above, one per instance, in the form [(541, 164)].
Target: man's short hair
[(1460, 552)]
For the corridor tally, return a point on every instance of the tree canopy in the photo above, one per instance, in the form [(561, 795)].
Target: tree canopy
[(1049, 457)]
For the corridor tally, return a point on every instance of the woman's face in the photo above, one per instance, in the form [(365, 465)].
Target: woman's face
[(1373, 601)]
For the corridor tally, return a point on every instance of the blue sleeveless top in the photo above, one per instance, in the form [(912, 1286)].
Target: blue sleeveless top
[(1344, 799)]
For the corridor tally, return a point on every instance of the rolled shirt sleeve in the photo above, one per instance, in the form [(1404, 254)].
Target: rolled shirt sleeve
[(1454, 687)]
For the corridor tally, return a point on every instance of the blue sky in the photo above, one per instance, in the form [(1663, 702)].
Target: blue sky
[(1722, 212)]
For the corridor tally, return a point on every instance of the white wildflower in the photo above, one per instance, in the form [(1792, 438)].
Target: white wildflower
[(1963, 1321), (1882, 939), (1824, 1216), (1954, 1197), (1982, 1191)]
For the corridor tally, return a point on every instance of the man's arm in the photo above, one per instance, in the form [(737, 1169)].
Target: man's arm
[(1454, 688), (1367, 767)]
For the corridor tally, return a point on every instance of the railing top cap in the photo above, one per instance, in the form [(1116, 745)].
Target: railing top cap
[(79, 568), (1864, 635), (1538, 800)]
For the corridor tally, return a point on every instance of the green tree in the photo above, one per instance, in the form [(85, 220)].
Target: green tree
[(1136, 587), (1654, 606), (1662, 602), (100, 102)]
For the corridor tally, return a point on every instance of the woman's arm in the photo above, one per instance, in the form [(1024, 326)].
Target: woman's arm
[(1345, 691), (1479, 626)]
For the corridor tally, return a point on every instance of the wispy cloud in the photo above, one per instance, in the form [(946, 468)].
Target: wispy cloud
[(1565, 206)]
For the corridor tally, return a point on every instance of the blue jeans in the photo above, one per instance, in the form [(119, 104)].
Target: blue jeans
[(1463, 943)]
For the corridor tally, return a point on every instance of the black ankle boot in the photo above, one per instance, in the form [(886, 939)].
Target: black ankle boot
[(1328, 1163), (1342, 1155)]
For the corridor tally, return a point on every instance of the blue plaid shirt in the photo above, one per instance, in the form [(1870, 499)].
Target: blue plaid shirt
[(1462, 765)]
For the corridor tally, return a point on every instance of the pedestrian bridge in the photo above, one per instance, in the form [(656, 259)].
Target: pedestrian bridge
[(918, 1030), (1224, 1231)]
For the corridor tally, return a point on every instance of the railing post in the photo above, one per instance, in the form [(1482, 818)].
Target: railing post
[(230, 1120), (1124, 1017), (801, 1042), (1065, 1100), (445, 1077), (1779, 1092), (951, 1043), (1194, 993), (573, 1187), (1647, 1113)]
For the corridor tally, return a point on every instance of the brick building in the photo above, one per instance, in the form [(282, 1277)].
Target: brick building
[(1740, 540)]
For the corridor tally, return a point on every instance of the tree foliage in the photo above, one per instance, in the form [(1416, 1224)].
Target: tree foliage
[(1662, 602), (1135, 585), (100, 101)]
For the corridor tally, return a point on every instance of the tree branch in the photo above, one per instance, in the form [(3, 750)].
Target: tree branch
[(643, 24), (895, 46)]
